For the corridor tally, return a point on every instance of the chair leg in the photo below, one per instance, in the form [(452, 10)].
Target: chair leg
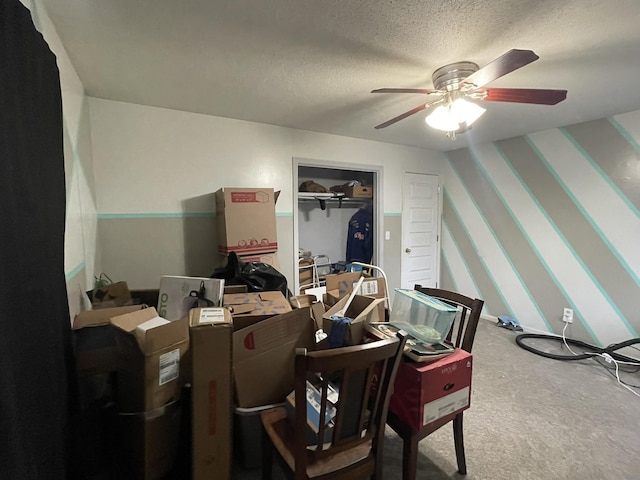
[(267, 456), (409, 457), (459, 442)]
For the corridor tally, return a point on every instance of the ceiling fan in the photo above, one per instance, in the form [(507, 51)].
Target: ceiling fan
[(458, 86)]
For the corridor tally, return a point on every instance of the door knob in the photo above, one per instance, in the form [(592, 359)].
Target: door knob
[(408, 250)]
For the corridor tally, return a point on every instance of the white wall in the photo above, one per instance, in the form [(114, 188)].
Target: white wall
[(151, 160)]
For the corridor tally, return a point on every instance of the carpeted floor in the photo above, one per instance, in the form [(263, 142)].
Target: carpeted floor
[(530, 418)]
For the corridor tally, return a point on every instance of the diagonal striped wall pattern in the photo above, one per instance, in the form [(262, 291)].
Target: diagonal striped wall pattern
[(550, 220)]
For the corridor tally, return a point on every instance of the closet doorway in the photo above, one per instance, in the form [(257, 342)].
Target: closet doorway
[(325, 238)]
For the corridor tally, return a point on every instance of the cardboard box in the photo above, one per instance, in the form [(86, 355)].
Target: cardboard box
[(149, 349), (359, 191), (246, 220), (111, 295), (362, 309), (426, 393), (178, 295), (313, 413), (268, 258), (93, 340), (344, 283), (263, 357), (211, 399), (149, 441), (249, 308)]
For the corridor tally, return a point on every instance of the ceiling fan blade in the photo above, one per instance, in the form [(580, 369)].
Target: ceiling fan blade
[(506, 63), (402, 116), (426, 91), (525, 95)]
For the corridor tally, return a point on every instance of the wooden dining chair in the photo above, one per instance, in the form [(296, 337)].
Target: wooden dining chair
[(348, 447), (461, 335)]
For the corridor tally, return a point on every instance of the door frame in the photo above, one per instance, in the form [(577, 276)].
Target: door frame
[(439, 202), (378, 211)]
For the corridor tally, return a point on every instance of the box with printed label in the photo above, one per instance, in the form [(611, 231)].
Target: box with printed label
[(178, 295), (346, 281), (249, 308), (149, 352), (314, 398), (429, 394), (246, 220), (210, 332)]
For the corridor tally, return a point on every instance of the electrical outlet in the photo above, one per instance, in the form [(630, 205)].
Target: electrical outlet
[(567, 315)]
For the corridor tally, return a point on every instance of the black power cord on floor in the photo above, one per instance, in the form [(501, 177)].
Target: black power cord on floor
[(592, 352)]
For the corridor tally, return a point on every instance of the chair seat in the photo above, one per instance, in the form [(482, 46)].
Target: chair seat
[(280, 430)]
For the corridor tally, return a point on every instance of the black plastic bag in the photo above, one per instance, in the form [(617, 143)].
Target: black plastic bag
[(257, 276)]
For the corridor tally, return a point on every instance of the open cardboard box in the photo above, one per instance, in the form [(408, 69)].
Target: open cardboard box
[(361, 310), (149, 352), (93, 340), (263, 356), (345, 282), (249, 308)]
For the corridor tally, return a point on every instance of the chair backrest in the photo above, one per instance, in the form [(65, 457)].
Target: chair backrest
[(463, 330), (363, 375)]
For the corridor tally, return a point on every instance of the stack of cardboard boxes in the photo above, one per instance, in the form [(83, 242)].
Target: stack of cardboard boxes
[(246, 224)]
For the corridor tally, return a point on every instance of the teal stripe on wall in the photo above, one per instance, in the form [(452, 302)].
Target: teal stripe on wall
[(69, 276), (111, 216)]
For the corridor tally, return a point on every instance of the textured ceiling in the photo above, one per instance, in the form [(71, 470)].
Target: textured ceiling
[(312, 64)]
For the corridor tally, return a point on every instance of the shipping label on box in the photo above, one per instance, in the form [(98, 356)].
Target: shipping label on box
[(426, 394), (178, 295), (246, 220)]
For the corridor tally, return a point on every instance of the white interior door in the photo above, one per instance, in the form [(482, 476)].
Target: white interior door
[(420, 230)]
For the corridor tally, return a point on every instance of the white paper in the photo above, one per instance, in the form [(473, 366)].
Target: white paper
[(169, 366)]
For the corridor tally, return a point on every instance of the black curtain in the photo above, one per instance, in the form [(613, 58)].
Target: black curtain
[(34, 316)]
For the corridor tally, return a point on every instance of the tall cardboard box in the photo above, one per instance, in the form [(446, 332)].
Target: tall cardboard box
[(211, 400), (263, 357), (149, 352), (246, 220), (178, 295)]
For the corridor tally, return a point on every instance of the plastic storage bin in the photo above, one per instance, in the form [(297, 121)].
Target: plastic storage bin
[(422, 316)]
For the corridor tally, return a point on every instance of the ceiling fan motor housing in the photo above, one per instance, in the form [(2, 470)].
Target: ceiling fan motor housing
[(449, 77)]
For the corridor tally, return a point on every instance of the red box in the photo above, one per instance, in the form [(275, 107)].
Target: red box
[(424, 393)]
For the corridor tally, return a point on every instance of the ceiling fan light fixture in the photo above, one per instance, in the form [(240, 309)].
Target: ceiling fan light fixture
[(450, 117)]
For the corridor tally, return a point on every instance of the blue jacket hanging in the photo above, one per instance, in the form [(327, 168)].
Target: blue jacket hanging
[(360, 237)]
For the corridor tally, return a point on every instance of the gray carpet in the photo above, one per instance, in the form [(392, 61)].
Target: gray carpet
[(530, 418)]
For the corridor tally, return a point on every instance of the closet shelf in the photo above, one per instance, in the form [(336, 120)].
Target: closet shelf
[(323, 198)]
